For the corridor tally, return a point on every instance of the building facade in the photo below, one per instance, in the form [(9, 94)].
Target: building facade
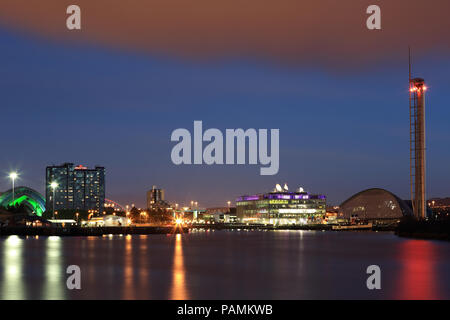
[(78, 187), (155, 198), (281, 208), (375, 205)]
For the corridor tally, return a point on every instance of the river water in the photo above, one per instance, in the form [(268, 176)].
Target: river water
[(225, 265)]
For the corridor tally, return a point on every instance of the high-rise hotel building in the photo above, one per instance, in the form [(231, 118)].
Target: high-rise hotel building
[(281, 207), (78, 187)]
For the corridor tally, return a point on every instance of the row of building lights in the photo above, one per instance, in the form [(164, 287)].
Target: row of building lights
[(54, 185)]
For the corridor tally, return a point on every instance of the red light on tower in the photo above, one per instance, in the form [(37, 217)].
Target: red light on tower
[(417, 146)]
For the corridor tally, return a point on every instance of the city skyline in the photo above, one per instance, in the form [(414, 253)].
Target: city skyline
[(232, 157), (343, 128)]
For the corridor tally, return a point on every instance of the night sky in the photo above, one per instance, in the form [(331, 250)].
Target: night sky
[(112, 94)]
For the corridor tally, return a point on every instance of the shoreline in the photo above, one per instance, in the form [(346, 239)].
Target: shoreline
[(143, 230), (423, 236), (400, 230), (427, 230), (88, 231)]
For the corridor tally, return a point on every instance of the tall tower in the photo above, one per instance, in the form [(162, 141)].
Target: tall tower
[(417, 90)]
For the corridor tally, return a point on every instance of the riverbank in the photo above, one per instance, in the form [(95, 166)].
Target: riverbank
[(429, 230), (99, 231), (87, 231), (309, 227)]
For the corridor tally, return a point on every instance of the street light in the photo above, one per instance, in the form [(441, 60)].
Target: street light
[(229, 203), (13, 176), (143, 213), (77, 214), (54, 185)]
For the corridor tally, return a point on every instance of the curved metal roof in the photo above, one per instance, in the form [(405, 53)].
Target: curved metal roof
[(30, 198), (404, 207)]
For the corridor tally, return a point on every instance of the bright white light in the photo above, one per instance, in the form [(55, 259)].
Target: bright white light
[(13, 175), (54, 185), (13, 240)]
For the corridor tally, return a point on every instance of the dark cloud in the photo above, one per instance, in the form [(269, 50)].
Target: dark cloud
[(319, 32)]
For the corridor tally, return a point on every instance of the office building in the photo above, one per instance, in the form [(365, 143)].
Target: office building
[(155, 198), (281, 207)]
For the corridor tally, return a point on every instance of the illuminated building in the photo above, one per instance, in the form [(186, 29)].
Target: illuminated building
[(155, 199), (31, 200), (77, 187), (107, 221), (220, 214), (281, 207)]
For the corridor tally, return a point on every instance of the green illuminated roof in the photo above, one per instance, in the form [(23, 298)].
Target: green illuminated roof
[(29, 198)]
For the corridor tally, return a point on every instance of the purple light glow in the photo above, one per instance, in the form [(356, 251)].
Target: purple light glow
[(281, 196)]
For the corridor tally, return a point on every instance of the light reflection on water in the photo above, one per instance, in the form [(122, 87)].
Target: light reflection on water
[(12, 286), (143, 263), (225, 265), (54, 270), (178, 289), (419, 277), (128, 292)]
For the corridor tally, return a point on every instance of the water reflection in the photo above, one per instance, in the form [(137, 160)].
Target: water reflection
[(242, 265), (143, 265), (178, 290), (12, 286), (54, 286), (418, 279), (128, 292)]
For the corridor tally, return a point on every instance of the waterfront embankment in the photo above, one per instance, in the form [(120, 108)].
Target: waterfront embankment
[(431, 230), (87, 231), (136, 229)]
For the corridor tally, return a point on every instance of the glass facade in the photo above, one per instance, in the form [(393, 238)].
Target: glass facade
[(79, 188), (281, 208)]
